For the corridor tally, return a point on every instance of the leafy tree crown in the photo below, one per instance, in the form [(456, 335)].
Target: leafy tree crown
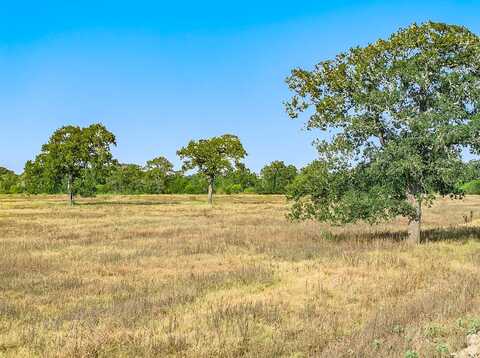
[(71, 153), (396, 114), (213, 157)]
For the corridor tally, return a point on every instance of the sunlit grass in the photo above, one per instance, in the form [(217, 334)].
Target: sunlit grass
[(170, 275)]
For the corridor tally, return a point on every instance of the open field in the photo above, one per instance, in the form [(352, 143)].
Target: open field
[(169, 275)]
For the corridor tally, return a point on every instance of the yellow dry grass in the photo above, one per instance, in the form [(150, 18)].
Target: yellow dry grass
[(170, 276)]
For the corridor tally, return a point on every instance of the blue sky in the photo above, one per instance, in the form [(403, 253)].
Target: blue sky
[(158, 74)]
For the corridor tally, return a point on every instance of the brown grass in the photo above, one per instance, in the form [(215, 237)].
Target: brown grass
[(171, 276)]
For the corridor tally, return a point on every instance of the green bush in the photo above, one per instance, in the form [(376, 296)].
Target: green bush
[(10, 183), (472, 187), (232, 189)]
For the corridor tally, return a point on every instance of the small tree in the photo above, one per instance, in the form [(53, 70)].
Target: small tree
[(125, 179), (237, 180), (397, 114), (71, 155), (9, 181), (158, 170), (276, 176), (212, 157)]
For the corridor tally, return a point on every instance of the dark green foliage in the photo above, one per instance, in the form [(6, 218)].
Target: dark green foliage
[(237, 181), (134, 179), (4, 171), (196, 184), (349, 192), (275, 177), (41, 178), (9, 182), (72, 157), (86, 184), (397, 114), (176, 183), (472, 187), (469, 171), (125, 179), (213, 157), (157, 173)]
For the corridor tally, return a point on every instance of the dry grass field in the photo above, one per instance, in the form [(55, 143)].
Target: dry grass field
[(165, 276)]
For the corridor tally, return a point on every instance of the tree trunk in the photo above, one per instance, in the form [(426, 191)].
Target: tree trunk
[(210, 191), (414, 224), (274, 189), (70, 190)]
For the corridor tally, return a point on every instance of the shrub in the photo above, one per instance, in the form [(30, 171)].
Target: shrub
[(232, 189), (472, 187)]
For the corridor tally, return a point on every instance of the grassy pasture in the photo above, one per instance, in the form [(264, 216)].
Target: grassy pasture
[(170, 276)]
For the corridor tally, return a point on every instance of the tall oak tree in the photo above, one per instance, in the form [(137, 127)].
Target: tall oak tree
[(397, 115)]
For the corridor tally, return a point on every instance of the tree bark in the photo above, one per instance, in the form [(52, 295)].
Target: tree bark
[(210, 191), (274, 189), (70, 190), (415, 223)]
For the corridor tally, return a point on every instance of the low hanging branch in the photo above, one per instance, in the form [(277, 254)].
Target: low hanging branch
[(402, 110)]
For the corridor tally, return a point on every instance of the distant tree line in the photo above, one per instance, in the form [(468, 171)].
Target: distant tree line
[(78, 161), (158, 176), (396, 117)]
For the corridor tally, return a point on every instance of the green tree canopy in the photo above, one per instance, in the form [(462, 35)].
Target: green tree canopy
[(397, 114), (73, 155), (276, 176), (4, 171), (212, 157), (9, 181), (157, 173), (125, 179), (239, 180), (469, 171)]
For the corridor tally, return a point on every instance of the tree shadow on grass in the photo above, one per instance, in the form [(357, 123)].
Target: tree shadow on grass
[(136, 202), (454, 233)]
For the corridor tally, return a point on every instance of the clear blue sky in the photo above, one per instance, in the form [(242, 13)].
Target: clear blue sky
[(158, 74)]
